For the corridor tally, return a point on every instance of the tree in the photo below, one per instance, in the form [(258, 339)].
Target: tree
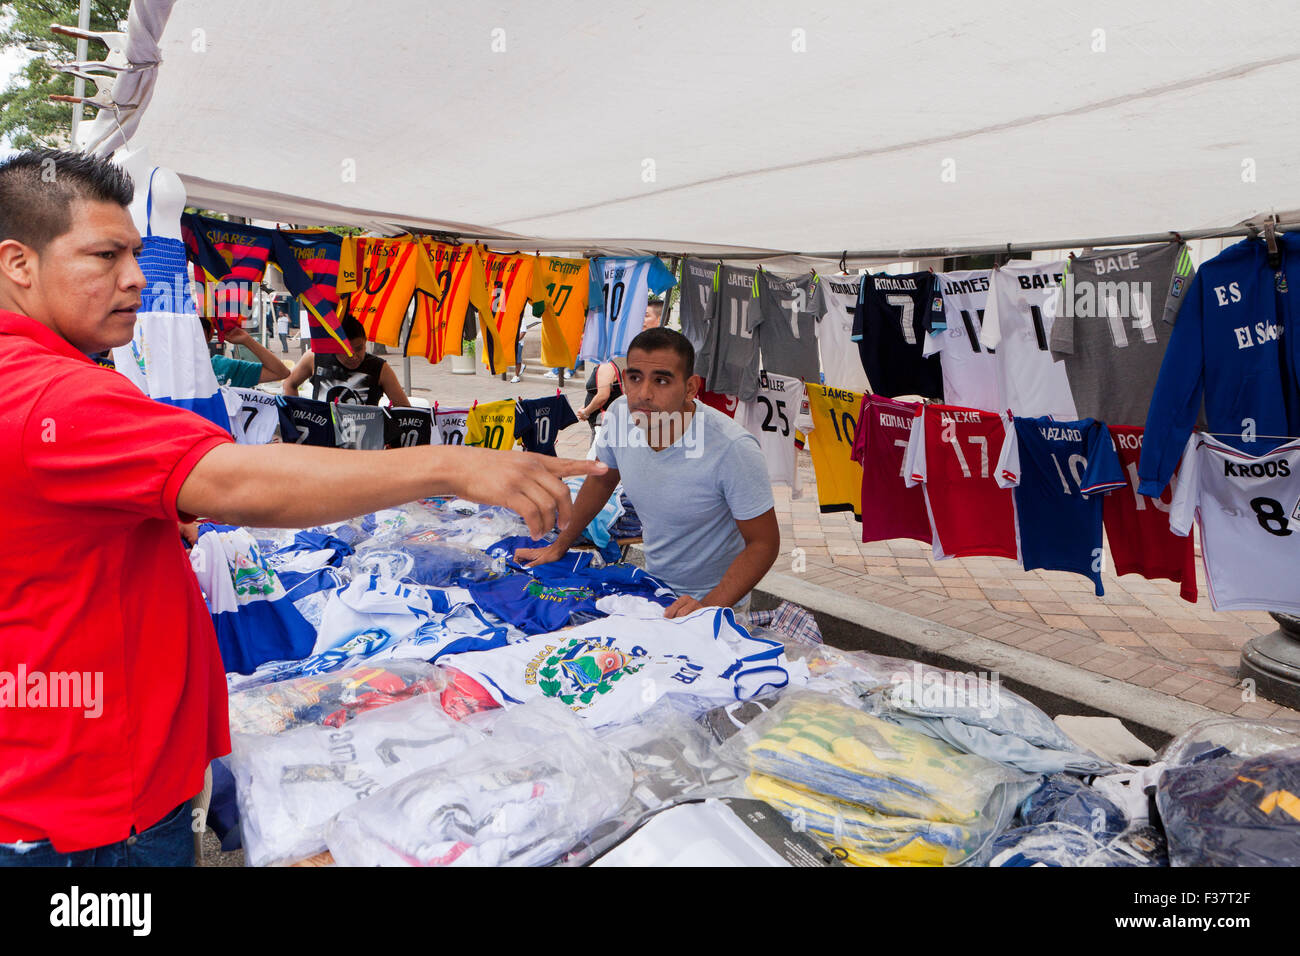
[(27, 117)]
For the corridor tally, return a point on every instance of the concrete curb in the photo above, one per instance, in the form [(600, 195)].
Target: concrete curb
[(858, 624)]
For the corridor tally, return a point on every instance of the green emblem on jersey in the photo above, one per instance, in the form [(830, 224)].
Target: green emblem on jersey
[(590, 668)]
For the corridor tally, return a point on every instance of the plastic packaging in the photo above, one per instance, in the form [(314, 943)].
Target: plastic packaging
[(330, 701), (1230, 794), (874, 792), (1066, 799), (291, 784), (536, 787), (1064, 844)]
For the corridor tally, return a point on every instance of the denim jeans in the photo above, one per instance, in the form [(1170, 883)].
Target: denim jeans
[(169, 842)]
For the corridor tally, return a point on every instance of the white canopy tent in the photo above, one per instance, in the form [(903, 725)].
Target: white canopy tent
[(754, 127)]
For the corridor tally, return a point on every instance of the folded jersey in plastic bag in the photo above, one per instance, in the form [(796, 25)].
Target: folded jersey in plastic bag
[(1058, 844), (291, 784), (535, 788), (1066, 799), (890, 794), (330, 700), (416, 560), (615, 668)]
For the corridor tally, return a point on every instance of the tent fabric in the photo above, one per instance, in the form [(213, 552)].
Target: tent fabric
[(730, 128)]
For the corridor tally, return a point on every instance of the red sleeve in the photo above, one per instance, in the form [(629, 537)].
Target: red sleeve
[(93, 439)]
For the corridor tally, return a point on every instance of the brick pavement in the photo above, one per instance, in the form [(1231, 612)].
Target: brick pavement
[(1140, 632)]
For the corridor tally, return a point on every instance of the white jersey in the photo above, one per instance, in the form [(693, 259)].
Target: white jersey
[(770, 418), (450, 425), (1018, 323), (970, 371), (613, 669), (834, 300), (1249, 512), (254, 418)]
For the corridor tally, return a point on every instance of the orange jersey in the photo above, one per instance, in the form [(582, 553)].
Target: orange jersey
[(440, 320), (560, 286), (509, 281), (380, 276)]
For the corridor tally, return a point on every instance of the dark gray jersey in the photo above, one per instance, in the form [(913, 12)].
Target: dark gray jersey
[(699, 278), (787, 326), (1113, 323), (732, 350)]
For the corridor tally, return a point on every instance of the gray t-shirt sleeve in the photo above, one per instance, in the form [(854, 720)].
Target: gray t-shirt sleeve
[(605, 451), (744, 480)]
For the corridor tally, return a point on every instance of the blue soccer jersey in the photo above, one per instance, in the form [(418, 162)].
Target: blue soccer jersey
[(1059, 471), (616, 303)]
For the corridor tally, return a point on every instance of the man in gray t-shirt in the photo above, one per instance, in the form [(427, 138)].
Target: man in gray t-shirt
[(1113, 322), (696, 478), (787, 326)]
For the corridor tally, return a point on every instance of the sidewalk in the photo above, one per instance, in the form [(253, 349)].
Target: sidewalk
[(1140, 632)]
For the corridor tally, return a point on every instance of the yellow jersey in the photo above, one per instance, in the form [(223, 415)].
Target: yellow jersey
[(379, 277), (834, 414), (492, 425), (509, 281), (440, 320), (560, 287)]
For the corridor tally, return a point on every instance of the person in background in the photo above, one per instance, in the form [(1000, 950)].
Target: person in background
[(605, 383), (282, 325), (240, 374), (359, 379)]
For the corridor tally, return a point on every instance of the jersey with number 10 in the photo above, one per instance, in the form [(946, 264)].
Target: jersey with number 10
[(953, 451), (616, 304), (492, 425), (1060, 471), (830, 432), (890, 509), (1249, 512)]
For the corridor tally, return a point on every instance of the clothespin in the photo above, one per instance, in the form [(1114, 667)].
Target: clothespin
[(475, 405), (1270, 237), (1178, 237), (435, 406), (844, 262), (558, 391)]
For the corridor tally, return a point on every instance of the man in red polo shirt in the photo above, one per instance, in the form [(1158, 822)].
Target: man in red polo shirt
[(112, 695)]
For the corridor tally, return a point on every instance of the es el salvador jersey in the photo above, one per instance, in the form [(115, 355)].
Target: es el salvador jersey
[(890, 508), (1060, 470), (1018, 323), (954, 452), (830, 430), (970, 369), (616, 303), (254, 415), (770, 419), (1249, 511), (894, 315)]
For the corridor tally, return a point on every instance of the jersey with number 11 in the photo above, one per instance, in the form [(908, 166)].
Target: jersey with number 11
[(954, 451)]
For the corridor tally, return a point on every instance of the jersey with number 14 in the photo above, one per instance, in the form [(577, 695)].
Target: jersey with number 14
[(830, 430), (1249, 512), (953, 451)]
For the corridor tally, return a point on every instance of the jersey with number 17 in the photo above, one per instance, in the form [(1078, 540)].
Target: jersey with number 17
[(953, 451), (1248, 508)]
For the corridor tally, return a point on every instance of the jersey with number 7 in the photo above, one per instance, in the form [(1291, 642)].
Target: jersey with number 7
[(953, 451)]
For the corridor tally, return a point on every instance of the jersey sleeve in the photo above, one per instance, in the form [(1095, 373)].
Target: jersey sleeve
[(1104, 472), (93, 441), (660, 278), (859, 312), (1008, 468), (933, 345), (914, 457), (859, 452), (1179, 285), (235, 372), (991, 329), (564, 415), (595, 292), (1182, 513), (349, 257), (935, 318), (1177, 398), (1061, 341), (606, 444)]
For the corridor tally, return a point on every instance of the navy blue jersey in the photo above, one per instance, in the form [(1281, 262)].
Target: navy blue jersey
[(305, 421), (1060, 471), (539, 421), (893, 316), (405, 427)]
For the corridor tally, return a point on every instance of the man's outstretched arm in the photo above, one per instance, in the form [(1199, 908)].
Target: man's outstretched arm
[(299, 486)]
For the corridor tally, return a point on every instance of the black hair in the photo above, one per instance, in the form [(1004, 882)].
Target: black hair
[(207, 328), (653, 340), (39, 186), (352, 328)]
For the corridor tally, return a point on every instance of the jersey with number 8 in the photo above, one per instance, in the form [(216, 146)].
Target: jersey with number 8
[(1248, 509)]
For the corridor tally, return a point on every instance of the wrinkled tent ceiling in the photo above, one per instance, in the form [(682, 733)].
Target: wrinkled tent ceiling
[(745, 125)]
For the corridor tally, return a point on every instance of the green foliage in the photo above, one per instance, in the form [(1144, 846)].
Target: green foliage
[(27, 117)]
